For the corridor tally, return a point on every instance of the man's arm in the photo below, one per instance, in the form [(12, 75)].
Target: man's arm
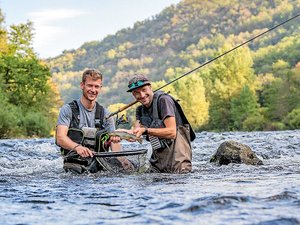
[(65, 142), (169, 131), (115, 147)]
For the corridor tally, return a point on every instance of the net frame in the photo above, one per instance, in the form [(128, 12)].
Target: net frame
[(109, 161)]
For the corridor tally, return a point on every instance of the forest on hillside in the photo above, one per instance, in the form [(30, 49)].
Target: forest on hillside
[(256, 87)]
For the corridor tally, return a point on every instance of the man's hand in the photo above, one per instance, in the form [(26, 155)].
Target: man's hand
[(84, 151), (139, 131), (114, 139)]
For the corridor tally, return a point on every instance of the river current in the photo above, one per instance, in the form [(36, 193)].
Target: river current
[(35, 189)]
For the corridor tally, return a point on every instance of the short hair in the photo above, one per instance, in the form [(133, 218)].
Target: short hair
[(93, 73)]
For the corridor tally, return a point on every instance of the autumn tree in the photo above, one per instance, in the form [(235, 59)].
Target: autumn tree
[(229, 75), (27, 92)]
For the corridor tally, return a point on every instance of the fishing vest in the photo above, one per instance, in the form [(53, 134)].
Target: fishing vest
[(156, 122), (88, 137)]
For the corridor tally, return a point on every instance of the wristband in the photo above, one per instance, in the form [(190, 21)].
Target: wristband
[(73, 149), (146, 131)]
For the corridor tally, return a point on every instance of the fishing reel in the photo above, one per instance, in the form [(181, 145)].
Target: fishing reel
[(102, 141), (122, 120)]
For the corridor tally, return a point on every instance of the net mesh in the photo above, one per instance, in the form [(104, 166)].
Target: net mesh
[(125, 161)]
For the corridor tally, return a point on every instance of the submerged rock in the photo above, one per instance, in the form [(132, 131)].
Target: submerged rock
[(234, 152)]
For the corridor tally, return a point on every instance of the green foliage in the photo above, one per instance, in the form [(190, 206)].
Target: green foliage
[(187, 35), (254, 122), (25, 85), (274, 125), (287, 50), (242, 107), (20, 38), (3, 36), (9, 118), (191, 93), (229, 76), (282, 95), (292, 120), (28, 97), (26, 78), (36, 124), (68, 84), (169, 89)]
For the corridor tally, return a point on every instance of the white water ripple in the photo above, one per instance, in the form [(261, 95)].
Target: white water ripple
[(34, 189)]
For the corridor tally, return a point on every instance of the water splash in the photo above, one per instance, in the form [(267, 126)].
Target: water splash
[(36, 189)]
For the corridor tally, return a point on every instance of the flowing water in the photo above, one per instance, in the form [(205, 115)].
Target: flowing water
[(35, 189)]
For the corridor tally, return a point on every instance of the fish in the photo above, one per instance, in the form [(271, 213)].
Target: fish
[(126, 136)]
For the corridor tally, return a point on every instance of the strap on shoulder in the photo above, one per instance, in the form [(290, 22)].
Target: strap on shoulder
[(184, 119), (179, 109), (155, 103), (99, 116), (75, 113)]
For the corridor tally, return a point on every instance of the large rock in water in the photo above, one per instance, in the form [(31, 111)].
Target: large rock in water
[(234, 152)]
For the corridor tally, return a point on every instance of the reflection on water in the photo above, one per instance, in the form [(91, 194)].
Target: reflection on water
[(35, 190)]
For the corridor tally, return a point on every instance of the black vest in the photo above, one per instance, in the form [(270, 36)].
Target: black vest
[(76, 134), (99, 115), (156, 122)]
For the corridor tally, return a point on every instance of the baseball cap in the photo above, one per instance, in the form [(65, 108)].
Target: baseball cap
[(137, 81)]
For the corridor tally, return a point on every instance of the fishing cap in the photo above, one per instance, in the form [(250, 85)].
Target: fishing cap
[(137, 81)]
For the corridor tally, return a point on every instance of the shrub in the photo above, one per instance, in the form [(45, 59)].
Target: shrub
[(254, 122), (36, 124), (292, 120)]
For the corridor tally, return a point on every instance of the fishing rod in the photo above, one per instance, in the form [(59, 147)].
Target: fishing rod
[(204, 64)]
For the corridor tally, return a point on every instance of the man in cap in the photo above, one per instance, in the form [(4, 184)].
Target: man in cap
[(162, 120)]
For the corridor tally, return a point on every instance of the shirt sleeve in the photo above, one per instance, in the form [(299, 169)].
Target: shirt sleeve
[(65, 115), (109, 124), (166, 107)]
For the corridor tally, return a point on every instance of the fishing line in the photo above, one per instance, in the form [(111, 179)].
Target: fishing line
[(209, 61)]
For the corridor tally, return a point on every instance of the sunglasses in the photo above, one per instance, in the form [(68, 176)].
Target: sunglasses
[(136, 84)]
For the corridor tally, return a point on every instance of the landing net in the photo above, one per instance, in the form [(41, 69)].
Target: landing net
[(124, 161)]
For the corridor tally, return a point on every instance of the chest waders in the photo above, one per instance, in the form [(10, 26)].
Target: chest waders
[(170, 155)]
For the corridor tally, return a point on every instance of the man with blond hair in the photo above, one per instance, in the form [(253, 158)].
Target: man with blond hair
[(79, 119)]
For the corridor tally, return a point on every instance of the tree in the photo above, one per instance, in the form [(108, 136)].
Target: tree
[(20, 39), (25, 80), (27, 86), (191, 93), (10, 118), (3, 36), (242, 106), (28, 96), (228, 75), (292, 119), (282, 95)]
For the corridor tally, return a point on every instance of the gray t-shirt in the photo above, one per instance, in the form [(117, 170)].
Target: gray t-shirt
[(166, 108), (87, 117)]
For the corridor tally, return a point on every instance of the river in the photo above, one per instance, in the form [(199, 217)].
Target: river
[(36, 190)]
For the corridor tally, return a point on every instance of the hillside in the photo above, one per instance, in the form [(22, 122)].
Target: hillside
[(182, 37)]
